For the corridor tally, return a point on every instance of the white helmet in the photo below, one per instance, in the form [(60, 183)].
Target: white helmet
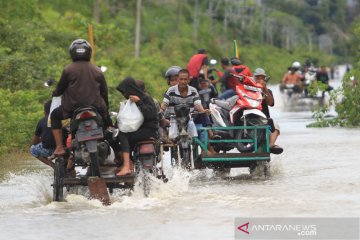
[(296, 65)]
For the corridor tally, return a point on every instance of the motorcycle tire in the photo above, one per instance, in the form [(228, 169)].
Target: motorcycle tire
[(95, 166), (185, 158), (249, 134), (58, 186)]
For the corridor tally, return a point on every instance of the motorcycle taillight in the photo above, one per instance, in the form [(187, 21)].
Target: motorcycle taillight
[(86, 114), (146, 148)]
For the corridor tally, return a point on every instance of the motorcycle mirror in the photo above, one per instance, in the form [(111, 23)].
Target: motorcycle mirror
[(213, 61), (49, 82), (103, 68)]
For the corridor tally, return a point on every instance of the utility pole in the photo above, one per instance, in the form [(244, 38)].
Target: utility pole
[(137, 31)]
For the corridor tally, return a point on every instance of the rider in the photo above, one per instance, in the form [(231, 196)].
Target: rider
[(182, 93), (197, 63), (43, 143), (261, 78), (149, 128), (81, 84), (230, 82), (323, 77), (293, 76)]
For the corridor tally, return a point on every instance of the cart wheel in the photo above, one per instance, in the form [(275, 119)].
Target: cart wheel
[(58, 185), (260, 168)]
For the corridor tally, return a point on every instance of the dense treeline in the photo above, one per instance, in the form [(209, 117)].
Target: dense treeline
[(35, 35)]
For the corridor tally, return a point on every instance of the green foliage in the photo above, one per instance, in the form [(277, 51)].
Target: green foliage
[(20, 112)]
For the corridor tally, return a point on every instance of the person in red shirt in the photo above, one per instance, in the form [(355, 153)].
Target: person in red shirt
[(198, 63), (229, 81)]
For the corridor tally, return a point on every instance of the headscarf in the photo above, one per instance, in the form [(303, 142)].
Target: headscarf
[(129, 87)]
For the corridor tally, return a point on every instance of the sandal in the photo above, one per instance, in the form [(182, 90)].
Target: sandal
[(276, 149)]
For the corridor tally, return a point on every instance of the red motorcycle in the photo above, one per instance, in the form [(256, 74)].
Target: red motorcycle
[(243, 109)]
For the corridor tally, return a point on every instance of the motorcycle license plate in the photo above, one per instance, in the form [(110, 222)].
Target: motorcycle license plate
[(86, 135)]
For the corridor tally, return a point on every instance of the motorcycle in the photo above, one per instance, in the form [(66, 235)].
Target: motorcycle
[(181, 130), (88, 147), (145, 156), (243, 109)]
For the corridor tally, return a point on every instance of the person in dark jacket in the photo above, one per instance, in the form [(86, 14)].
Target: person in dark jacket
[(149, 129), (81, 84)]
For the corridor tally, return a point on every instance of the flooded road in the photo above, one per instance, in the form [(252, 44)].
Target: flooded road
[(317, 175)]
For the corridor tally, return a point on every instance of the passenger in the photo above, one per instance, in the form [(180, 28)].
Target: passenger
[(43, 143), (206, 93), (182, 93), (149, 128), (323, 77), (261, 78), (197, 64), (230, 82), (81, 83)]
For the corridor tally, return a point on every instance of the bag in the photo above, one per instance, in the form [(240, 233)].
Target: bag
[(55, 103), (173, 129), (191, 128), (129, 118), (216, 116)]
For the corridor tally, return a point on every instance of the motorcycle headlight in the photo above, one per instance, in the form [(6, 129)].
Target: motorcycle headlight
[(253, 103)]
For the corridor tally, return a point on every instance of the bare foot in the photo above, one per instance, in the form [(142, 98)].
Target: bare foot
[(124, 172), (59, 151)]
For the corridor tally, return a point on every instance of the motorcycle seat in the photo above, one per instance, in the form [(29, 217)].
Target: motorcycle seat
[(147, 141), (222, 103)]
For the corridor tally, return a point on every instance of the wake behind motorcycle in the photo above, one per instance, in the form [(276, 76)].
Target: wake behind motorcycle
[(243, 109)]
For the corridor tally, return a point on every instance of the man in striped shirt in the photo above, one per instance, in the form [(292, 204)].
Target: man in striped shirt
[(182, 93)]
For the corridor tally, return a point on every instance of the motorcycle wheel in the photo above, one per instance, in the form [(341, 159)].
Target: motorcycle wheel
[(174, 156), (58, 186), (95, 166), (249, 134), (185, 158)]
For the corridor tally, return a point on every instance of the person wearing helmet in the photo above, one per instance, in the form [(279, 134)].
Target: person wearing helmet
[(261, 78), (229, 82), (81, 83), (198, 63), (171, 75)]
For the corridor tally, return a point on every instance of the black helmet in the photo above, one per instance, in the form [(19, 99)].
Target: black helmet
[(80, 49)]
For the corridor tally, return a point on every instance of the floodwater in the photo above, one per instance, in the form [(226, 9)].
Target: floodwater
[(317, 175)]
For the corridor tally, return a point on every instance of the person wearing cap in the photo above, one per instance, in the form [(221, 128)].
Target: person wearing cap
[(198, 63), (261, 78), (230, 82)]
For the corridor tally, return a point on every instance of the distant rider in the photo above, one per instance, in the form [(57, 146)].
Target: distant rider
[(322, 76), (81, 84), (293, 77)]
